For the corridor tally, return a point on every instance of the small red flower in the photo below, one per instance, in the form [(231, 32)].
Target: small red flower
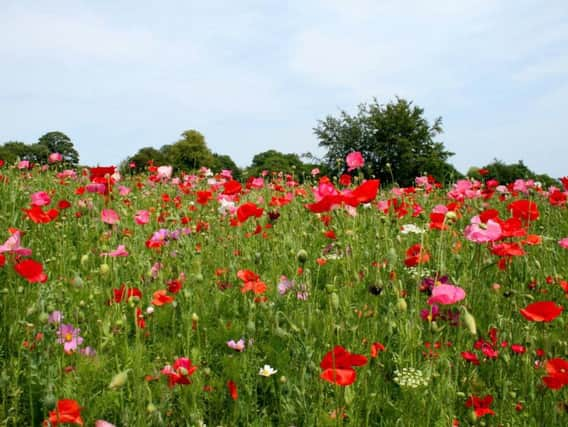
[(480, 405), (376, 348), (233, 389), (66, 411), (542, 311), (416, 255), (161, 297), (31, 270), (338, 365), (246, 210), (180, 372), (557, 370)]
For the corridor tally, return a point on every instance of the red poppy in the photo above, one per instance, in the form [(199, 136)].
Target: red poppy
[(345, 180), (161, 297), (233, 389), (180, 372), (416, 255), (124, 293), (557, 370), (37, 215), (524, 210), (376, 348), (365, 193), (557, 198), (470, 357), (31, 270), (437, 221), (247, 275), (140, 322), (507, 250), (338, 365), (232, 187), (246, 210), (480, 405), (2, 260), (326, 204), (542, 311), (203, 197), (67, 411)]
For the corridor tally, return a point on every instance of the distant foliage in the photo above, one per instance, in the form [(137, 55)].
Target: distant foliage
[(395, 139), (508, 173), (51, 142)]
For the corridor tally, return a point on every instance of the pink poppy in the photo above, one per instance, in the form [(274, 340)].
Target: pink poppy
[(109, 216), (13, 245), (120, 251), (446, 294), (55, 157), (480, 232), (354, 161), (563, 243), (142, 217), (165, 172), (41, 198)]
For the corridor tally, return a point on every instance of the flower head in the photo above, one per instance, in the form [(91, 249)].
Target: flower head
[(267, 371), (69, 337)]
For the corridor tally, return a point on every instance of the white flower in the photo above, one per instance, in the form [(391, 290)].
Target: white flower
[(411, 228), (267, 371)]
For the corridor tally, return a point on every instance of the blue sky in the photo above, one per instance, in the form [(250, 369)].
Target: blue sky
[(119, 75)]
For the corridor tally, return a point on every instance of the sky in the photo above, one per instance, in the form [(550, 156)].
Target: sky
[(254, 75)]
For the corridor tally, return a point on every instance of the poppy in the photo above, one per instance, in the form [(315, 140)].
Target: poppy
[(246, 210), (180, 372), (376, 348), (365, 193), (480, 405), (524, 210), (338, 365), (542, 311), (160, 298), (67, 411), (233, 389), (31, 270), (416, 255), (37, 215), (557, 373), (232, 187)]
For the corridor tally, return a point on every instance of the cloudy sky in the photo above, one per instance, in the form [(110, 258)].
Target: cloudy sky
[(251, 75)]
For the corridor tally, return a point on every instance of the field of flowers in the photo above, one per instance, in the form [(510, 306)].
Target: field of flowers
[(196, 300)]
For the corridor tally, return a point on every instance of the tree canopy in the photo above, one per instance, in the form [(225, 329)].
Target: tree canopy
[(395, 139), (58, 142)]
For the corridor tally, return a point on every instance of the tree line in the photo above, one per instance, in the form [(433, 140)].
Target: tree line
[(397, 142)]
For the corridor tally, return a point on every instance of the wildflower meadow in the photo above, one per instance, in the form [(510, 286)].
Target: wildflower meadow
[(162, 299)]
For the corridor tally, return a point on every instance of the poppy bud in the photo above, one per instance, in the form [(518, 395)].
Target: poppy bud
[(118, 380), (104, 269), (401, 304), (302, 256), (84, 259), (151, 408), (334, 300), (251, 327), (469, 321)]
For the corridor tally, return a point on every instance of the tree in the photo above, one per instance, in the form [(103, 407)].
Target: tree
[(190, 152), (143, 157), (224, 161), (58, 142), (396, 141), (275, 161), (507, 173)]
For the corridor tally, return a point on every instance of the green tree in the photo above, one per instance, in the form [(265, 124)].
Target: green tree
[(189, 153), (142, 158), (507, 173), (224, 161), (14, 150), (275, 161), (58, 142), (396, 141)]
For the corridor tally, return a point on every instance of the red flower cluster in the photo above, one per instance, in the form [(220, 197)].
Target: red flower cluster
[(251, 282), (67, 411)]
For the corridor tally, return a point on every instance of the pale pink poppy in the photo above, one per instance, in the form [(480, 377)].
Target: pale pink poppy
[(257, 182), (24, 164), (120, 251), (165, 172), (109, 216), (124, 191), (142, 217), (479, 232), (55, 157), (315, 171), (13, 245), (41, 198), (354, 161), (446, 294)]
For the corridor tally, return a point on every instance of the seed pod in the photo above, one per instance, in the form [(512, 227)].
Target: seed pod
[(469, 321), (302, 256), (118, 380), (334, 300)]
